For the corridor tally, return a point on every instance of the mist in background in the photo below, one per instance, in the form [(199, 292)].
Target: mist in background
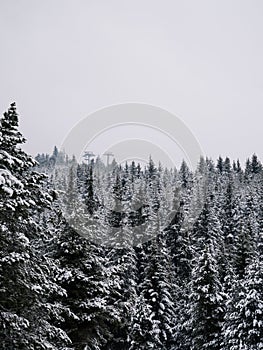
[(200, 60)]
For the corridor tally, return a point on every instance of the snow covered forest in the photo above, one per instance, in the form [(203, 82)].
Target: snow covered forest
[(96, 257)]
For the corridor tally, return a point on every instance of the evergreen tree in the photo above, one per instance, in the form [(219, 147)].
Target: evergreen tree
[(256, 166), (84, 269), (157, 291), (206, 303), (26, 283), (84, 276), (141, 332), (185, 175), (220, 164), (243, 328)]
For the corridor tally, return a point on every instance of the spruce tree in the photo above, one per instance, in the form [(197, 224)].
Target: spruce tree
[(243, 328), (26, 283), (206, 303)]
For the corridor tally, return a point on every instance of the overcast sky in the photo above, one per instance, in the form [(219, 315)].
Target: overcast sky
[(60, 60)]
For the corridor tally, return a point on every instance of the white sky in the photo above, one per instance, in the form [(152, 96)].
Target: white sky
[(60, 60)]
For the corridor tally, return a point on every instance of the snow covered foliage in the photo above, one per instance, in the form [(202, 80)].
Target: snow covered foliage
[(26, 284), (206, 303), (243, 327), (117, 257)]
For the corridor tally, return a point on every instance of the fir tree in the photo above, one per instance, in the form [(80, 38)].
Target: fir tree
[(206, 303), (243, 328), (26, 284)]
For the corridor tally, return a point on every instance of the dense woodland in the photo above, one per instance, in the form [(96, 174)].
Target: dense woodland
[(117, 257)]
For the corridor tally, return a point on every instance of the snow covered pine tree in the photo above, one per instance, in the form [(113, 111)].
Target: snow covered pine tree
[(25, 283)]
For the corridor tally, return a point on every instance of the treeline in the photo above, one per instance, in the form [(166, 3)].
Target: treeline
[(115, 257)]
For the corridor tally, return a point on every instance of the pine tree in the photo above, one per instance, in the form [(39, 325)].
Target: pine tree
[(84, 276), (245, 241), (85, 271), (243, 328), (121, 254), (26, 283), (256, 166), (185, 175), (141, 330), (220, 164), (157, 291), (206, 303)]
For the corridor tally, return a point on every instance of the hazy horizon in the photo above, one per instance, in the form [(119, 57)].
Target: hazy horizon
[(201, 61)]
